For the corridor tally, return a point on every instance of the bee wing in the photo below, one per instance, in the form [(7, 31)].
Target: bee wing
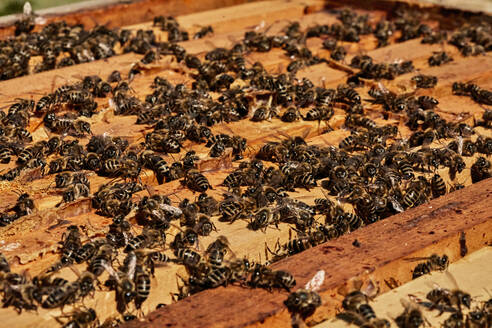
[(413, 259), (453, 280), (396, 205), (173, 209), (316, 281), (109, 269), (460, 145), (27, 10), (131, 267)]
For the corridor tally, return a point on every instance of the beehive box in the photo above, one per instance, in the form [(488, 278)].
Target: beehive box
[(30, 243)]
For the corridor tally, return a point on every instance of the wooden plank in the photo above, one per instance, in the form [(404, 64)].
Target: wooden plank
[(434, 227), (119, 13)]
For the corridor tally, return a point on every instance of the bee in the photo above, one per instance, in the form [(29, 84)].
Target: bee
[(472, 50), (203, 32), (338, 53), (411, 317), (438, 186), (148, 238), (102, 258), (455, 320), (204, 225), (87, 251), (427, 102), (217, 250), (358, 311), (5, 154), (44, 104), (78, 318), (445, 297), (74, 192), (293, 246), (303, 302), (480, 170), (262, 113), (115, 76), (60, 295), (22, 296), (208, 205), (263, 218), (151, 258), (187, 257), (122, 281), (264, 277), (196, 181), (11, 174), (24, 205), (433, 263), (142, 286), (231, 209), (439, 58)]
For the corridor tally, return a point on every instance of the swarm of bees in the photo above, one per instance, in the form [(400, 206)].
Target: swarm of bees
[(371, 174)]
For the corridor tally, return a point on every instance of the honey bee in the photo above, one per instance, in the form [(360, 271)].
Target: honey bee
[(303, 302), (78, 318), (203, 32), (433, 263), (264, 277), (445, 297), (439, 58), (217, 251), (122, 281), (411, 317)]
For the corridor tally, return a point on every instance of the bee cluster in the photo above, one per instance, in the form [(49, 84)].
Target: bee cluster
[(358, 311), (371, 174)]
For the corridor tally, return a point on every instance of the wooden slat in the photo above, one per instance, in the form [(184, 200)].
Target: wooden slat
[(124, 13), (434, 227)]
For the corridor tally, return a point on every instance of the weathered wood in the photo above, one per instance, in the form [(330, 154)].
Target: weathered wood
[(119, 13), (433, 227)]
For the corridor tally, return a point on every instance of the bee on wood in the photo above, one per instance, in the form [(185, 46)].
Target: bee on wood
[(78, 318), (411, 317), (196, 181), (425, 81), (444, 297), (208, 205), (433, 263), (480, 170), (122, 281), (151, 258), (264, 277), (204, 225), (263, 218), (439, 58), (338, 53), (142, 286), (231, 208), (217, 250), (147, 239), (203, 32)]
